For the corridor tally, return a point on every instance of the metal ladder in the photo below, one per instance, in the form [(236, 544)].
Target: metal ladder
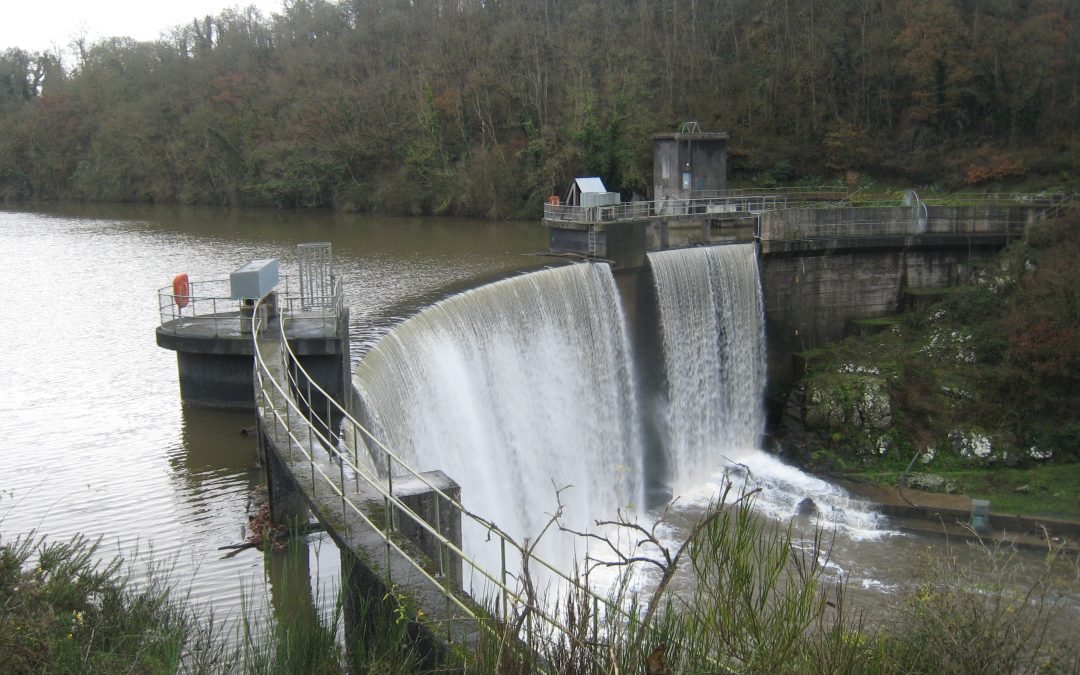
[(592, 240)]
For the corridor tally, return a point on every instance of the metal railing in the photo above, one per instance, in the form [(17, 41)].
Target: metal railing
[(210, 307), (1059, 206), (287, 400), (664, 208), (208, 304), (313, 311), (704, 203)]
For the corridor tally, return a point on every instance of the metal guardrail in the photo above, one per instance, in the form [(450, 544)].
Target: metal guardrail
[(207, 302), (663, 208), (1059, 207), (288, 406), (210, 305), (756, 201)]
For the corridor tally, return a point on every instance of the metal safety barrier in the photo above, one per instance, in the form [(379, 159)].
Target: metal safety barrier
[(209, 306), (665, 208), (754, 202)]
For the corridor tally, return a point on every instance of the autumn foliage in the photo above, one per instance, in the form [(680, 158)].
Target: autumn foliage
[(1043, 317), (486, 108)]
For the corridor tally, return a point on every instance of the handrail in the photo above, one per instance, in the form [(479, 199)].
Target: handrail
[(211, 303), (666, 208), (864, 221), (754, 201), (337, 443), (1060, 204), (206, 301)]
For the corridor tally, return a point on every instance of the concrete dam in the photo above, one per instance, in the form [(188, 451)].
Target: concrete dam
[(592, 391), (539, 382)]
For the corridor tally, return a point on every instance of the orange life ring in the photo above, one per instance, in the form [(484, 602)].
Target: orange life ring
[(181, 290), (553, 200)]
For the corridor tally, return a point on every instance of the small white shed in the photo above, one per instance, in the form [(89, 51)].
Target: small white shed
[(590, 191)]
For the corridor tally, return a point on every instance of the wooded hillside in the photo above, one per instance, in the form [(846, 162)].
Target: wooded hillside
[(485, 107)]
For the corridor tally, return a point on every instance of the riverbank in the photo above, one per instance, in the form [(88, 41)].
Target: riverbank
[(971, 390), (950, 515), (65, 613)]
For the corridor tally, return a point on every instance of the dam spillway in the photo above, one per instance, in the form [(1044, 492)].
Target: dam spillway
[(514, 389), (531, 384)]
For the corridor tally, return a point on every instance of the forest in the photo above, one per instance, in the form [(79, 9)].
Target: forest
[(485, 107)]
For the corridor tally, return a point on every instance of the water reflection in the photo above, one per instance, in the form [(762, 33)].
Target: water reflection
[(95, 438), (215, 444)]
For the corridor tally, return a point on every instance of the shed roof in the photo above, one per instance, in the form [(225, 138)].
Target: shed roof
[(590, 184)]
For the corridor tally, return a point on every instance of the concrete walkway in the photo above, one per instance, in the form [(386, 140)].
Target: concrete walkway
[(949, 515)]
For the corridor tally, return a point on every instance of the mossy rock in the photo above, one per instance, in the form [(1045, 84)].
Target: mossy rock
[(857, 401)]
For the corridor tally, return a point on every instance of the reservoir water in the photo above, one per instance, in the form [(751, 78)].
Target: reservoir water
[(94, 438)]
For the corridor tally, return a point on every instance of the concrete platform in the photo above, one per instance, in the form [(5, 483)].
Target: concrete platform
[(948, 515), (214, 354)]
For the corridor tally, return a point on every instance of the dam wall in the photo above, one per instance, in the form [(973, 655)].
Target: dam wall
[(822, 269)]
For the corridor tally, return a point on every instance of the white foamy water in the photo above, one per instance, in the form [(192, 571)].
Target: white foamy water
[(713, 324), (712, 321), (785, 492), (515, 389)]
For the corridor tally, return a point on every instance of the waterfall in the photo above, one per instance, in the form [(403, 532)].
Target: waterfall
[(512, 389), (712, 325), (712, 321)]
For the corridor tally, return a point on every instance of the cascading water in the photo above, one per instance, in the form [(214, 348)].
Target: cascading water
[(711, 319), (712, 323), (513, 389)]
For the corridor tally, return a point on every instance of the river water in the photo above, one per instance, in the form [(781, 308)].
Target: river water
[(94, 438)]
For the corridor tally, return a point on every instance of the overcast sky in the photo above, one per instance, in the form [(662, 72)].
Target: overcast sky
[(36, 25)]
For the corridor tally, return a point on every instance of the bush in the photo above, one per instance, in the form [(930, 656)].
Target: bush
[(69, 613)]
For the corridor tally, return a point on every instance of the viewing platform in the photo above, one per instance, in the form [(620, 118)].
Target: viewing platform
[(209, 327)]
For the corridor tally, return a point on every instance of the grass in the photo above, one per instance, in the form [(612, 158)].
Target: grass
[(65, 612), (1048, 490), (761, 604)]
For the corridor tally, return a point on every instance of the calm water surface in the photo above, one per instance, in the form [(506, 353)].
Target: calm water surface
[(94, 438)]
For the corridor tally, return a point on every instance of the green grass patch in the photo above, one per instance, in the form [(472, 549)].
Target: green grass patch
[(1045, 490)]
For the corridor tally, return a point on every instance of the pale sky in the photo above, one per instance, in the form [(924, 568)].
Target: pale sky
[(36, 25)]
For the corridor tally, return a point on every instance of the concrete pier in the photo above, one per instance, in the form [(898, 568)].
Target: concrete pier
[(214, 355)]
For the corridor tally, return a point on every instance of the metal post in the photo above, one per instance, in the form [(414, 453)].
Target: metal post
[(438, 528), (356, 453), (329, 434), (386, 536), (389, 513), (502, 575), (443, 564), (344, 513)]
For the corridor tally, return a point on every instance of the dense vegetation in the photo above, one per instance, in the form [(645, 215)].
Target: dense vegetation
[(764, 603), (986, 375), (484, 108)]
